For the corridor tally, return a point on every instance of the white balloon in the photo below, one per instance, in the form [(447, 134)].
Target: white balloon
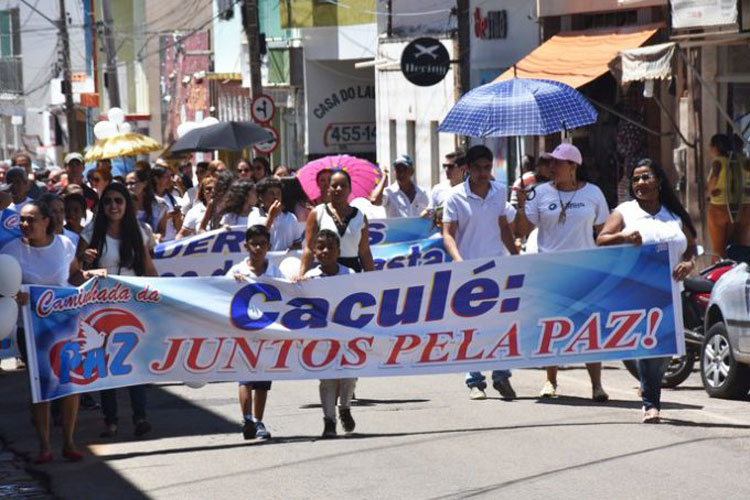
[(10, 278), (125, 128), (116, 116), (209, 121), (289, 267), (8, 316), (195, 385), (105, 129)]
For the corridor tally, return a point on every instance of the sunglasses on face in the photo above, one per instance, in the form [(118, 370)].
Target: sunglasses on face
[(27, 219), (449, 166), (642, 177), (131, 183), (243, 170), (117, 201)]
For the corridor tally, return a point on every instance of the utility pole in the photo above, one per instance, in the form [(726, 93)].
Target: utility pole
[(113, 85), (252, 31), (67, 86), (463, 77)]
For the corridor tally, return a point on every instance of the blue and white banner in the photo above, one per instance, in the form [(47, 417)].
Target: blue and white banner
[(9, 230), (406, 242), (510, 312)]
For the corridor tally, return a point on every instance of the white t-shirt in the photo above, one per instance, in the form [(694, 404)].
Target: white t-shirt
[(18, 206), (317, 272), (243, 269), (73, 237), (439, 194), (49, 265), (188, 199), (586, 208), (233, 220), (194, 216), (478, 232), (171, 231), (158, 210), (285, 231), (661, 227), (397, 204), (349, 241), (110, 256)]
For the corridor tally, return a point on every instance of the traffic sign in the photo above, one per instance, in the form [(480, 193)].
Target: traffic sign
[(262, 109), (270, 146)]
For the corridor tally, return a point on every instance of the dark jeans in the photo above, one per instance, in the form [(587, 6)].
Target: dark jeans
[(137, 402), (651, 372)]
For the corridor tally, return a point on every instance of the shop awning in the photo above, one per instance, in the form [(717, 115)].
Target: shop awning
[(647, 63), (578, 57)]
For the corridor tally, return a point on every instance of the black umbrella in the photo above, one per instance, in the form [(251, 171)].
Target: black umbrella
[(224, 136)]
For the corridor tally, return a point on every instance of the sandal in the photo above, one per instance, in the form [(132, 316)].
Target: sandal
[(43, 458), (73, 455)]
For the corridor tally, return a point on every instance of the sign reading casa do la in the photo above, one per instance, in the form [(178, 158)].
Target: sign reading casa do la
[(425, 62)]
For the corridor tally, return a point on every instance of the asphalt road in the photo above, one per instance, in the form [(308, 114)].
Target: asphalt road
[(417, 437)]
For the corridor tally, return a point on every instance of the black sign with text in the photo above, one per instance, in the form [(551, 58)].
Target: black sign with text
[(425, 62)]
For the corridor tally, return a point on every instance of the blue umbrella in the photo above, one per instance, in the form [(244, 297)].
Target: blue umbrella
[(517, 107)]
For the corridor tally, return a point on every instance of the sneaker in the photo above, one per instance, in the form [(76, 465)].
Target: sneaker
[(599, 395), (261, 432), (347, 422), (248, 429), (142, 427), (477, 394), (549, 390), (505, 389), (651, 416), (329, 429)]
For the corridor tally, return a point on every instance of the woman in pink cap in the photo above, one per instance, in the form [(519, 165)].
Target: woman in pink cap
[(569, 212)]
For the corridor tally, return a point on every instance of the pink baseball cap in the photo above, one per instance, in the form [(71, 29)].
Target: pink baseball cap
[(566, 152)]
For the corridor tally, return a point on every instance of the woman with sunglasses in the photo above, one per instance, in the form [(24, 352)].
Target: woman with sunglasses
[(163, 185), (117, 242), (212, 216), (568, 212), (47, 258), (655, 215), (245, 170), (100, 177), (148, 209), (194, 216)]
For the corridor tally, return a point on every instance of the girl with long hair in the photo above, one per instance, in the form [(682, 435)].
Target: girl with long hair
[(161, 180), (212, 217), (194, 216), (654, 215), (239, 200), (116, 242), (148, 209)]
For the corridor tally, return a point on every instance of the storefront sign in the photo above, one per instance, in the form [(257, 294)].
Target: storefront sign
[(703, 13), (425, 62), (340, 108)]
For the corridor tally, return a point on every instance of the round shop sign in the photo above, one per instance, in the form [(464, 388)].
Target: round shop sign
[(425, 62)]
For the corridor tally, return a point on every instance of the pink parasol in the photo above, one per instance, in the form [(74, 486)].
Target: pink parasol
[(365, 176)]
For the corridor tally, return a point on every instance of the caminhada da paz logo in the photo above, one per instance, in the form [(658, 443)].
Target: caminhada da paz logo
[(102, 343)]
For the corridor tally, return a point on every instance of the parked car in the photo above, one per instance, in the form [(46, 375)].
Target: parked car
[(725, 354)]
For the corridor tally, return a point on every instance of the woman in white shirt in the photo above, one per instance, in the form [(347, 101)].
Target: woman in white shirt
[(568, 212), (47, 259), (655, 215), (343, 219), (149, 210), (194, 216), (117, 242), (240, 199)]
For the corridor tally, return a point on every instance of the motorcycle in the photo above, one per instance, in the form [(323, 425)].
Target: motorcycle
[(695, 299)]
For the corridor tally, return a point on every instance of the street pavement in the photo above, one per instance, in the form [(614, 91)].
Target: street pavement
[(416, 437)]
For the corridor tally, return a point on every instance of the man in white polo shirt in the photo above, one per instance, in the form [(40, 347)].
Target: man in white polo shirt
[(469, 213), (454, 168), (403, 198)]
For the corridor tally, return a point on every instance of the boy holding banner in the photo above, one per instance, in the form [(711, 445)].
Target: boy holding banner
[(470, 209), (253, 395), (326, 250)]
